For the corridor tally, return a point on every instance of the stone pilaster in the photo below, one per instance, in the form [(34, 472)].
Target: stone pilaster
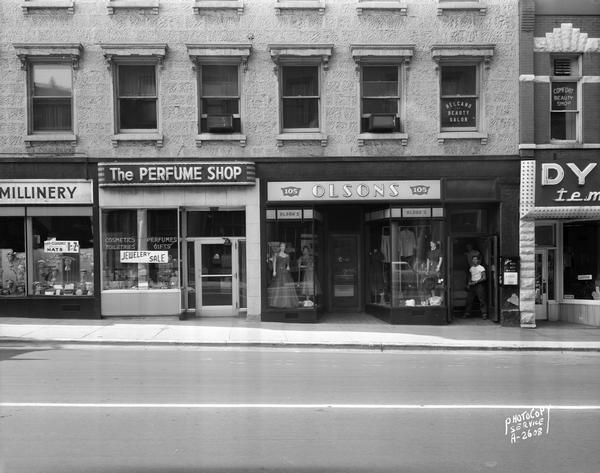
[(527, 244)]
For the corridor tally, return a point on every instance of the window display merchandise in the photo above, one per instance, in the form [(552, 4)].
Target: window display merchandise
[(140, 249), (405, 262), (292, 261), (61, 262)]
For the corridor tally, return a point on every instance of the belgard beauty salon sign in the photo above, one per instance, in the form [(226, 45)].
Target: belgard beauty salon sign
[(574, 182), (353, 190), (175, 173)]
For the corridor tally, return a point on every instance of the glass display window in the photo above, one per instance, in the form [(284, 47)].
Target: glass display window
[(406, 260), (13, 267), (140, 249), (63, 256), (293, 273), (581, 260)]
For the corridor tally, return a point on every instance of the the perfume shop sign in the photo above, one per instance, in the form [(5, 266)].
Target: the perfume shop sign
[(339, 191), (172, 173), (574, 182)]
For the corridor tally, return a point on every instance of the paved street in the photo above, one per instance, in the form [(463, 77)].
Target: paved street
[(227, 410)]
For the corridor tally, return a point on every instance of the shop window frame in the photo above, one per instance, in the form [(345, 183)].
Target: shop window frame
[(147, 54), (576, 79)]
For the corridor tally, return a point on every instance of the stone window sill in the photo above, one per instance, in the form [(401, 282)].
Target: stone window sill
[(463, 135), (402, 137), (218, 137), (157, 138), (383, 5), (151, 5), (461, 6), (283, 137), (318, 5), (70, 138), (28, 5), (560, 146), (218, 5)]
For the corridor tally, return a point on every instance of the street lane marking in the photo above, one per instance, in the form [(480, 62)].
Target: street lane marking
[(573, 407)]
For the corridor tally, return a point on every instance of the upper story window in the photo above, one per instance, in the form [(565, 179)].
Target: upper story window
[(300, 98), (317, 5), (51, 97), (135, 71), (299, 69), (49, 68), (137, 98), (459, 100), (207, 5), (462, 75), (564, 102), (219, 99), (381, 92), (461, 5), (220, 69), (29, 6)]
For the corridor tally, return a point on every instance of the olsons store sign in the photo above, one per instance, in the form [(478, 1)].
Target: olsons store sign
[(575, 182), (172, 173)]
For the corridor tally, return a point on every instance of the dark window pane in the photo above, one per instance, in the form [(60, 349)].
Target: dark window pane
[(219, 81), (380, 106), (581, 259), (460, 112), (220, 106), (380, 81), (137, 81), (138, 113), (300, 113), (300, 81), (563, 126), (459, 80), (51, 80), (216, 223), (51, 114)]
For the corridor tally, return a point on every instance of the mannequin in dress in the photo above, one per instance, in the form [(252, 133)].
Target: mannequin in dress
[(282, 292)]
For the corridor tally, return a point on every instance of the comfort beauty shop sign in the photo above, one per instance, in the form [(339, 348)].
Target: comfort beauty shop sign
[(353, 190), (168, 174), (17, 191), (574, 182)]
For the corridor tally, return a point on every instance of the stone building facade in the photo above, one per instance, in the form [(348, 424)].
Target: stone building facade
[(339, 125), (559, 145)]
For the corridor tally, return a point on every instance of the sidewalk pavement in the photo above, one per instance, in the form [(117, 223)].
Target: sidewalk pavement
[(360, 331)]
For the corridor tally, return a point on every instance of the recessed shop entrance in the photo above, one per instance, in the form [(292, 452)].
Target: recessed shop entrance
[(216, 276), (344, 253)]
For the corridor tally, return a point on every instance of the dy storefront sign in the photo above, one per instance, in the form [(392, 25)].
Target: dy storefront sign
[(144, 256), (575, 182), (352, 190), (24, 192), (169, 174)]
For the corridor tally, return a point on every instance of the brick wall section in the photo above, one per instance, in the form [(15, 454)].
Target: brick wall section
[(176, 25), (542, 112), (591, 63), (591, 112)]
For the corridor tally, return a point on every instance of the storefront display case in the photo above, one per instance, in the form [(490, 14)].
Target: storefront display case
[(293, 266), (406, 268)]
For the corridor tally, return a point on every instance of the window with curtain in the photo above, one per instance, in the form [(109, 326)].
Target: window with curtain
[(137, 97), (459, 97), (300, 98), (220, 99), (380, 99), (51, 97), (564, 103)]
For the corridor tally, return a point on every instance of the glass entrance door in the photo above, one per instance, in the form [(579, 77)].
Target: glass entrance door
[(344, 258), (217, 276), (544, 281)]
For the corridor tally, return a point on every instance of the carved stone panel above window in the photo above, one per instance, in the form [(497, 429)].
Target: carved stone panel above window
[(220, 53), (317, 5), (30, 5), (385, 6), (460, 6), (141, 51), (54, 51), (147, 5), (303, 53), (201, 5)]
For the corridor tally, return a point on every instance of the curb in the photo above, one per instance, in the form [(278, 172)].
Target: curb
[(65, 343)]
